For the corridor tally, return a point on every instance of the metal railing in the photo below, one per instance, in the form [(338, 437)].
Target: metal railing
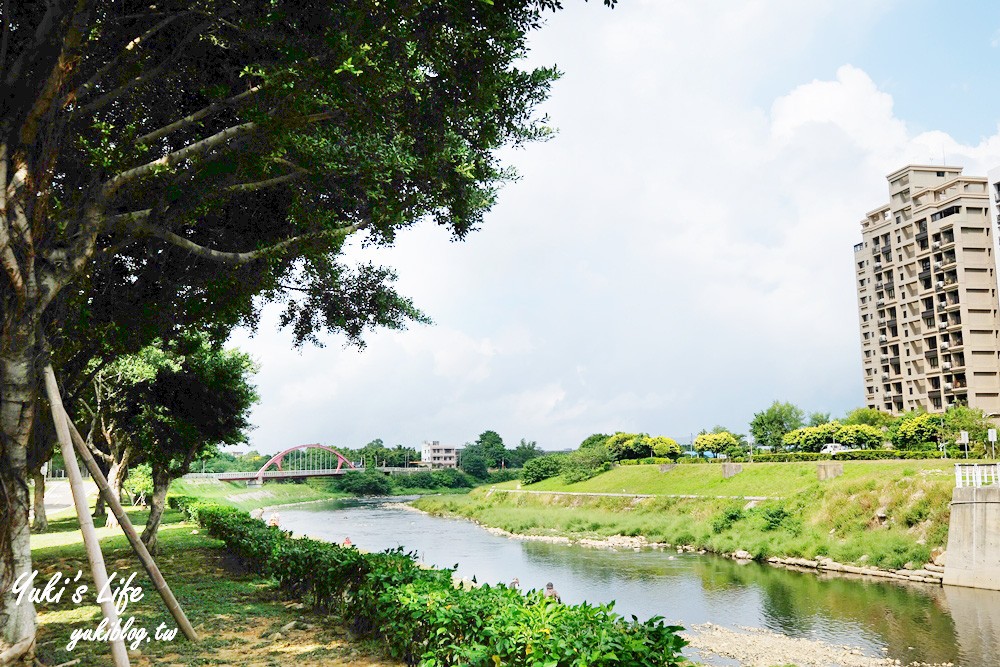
[(977, 474)]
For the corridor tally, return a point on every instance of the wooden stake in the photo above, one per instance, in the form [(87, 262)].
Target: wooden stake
[(133, 537), (90, 540)]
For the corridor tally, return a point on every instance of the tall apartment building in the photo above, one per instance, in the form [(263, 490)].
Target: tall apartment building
[(927, 294)]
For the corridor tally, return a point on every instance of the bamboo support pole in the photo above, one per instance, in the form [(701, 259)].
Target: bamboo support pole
[(133, 537), (90, 540)]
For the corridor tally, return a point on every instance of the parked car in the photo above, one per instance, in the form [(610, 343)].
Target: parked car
[(834, 448)]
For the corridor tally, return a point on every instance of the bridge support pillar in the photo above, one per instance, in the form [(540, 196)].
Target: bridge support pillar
[(973, 557), (255, 483)]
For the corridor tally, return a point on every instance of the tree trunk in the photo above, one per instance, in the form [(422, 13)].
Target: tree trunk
[(17, 406), (161, 482), (41, 522), (116, 478)]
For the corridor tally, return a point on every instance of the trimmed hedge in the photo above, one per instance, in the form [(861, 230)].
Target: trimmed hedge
[(786, 457), (422, 618), (857, 455)]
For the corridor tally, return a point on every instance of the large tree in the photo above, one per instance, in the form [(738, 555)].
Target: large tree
[(201, 153), (770, 426), (198, 400)]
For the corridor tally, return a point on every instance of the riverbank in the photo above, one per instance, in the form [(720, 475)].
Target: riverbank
[(239, 616), (877, 519)]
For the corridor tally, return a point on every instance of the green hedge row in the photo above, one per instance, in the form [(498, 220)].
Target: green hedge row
[(424, 619), (785, 457), (857, 455)]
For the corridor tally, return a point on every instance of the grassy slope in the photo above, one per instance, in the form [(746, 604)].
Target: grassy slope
[(230, 609), (238, 495), (836, 518)]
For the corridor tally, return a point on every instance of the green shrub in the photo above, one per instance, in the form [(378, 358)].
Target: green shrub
[(368, 483), (773, 517), (541, 468), (422, 618), (726, 519)]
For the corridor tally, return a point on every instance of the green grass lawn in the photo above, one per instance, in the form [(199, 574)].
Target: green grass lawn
[(237, 494), (887, 513), (757, 479), (234, 611)]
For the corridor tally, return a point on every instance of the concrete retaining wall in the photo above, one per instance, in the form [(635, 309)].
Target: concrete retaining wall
[(973, 557)]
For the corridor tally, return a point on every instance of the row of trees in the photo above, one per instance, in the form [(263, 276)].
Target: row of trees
[(489, 452), (783, 426)]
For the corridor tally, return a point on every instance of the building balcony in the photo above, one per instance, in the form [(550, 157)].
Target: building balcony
[(923, 275), (932, 352)]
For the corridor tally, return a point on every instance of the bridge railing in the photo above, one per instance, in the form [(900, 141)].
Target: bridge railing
[(977, 474)]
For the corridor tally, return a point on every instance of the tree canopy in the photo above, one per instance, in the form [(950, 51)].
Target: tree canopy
[(770, 426), (181, 163)]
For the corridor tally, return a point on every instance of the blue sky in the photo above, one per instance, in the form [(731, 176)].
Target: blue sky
[(680, 254)]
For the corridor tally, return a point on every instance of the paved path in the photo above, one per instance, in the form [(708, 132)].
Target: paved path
[(626, 495), (58, 495)]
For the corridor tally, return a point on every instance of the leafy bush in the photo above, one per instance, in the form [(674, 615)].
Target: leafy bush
[(422, 618), (503, 475), (367, 483), (541, 468), (586, 463), (447, 478), (726, 519), (649, 460), (773, 517)]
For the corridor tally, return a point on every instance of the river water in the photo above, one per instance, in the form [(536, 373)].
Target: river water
[(911, 622)]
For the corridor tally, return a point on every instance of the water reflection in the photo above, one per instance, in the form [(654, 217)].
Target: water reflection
[(906, 622)]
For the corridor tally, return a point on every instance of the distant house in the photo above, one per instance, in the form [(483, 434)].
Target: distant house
[(435, 455)]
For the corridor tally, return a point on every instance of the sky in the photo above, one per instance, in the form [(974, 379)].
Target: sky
[(680, 254)]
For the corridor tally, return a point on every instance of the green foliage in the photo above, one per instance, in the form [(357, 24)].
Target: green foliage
[(594, 440), (959, 418), (811, 438), (421, 617), (725, 520), (195, 397), (868, 417), (914, 430), (663, 446), (858, 455), (139, 481), (774, 516), (474, 463), (629, 445), (715, 442), (371, 482), (770, 426), (860, 436), (586, 463), (490, 447), (818, 418), (542, 467), (524, 452)]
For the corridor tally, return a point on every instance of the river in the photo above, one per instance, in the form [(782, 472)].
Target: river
[(908, 622)]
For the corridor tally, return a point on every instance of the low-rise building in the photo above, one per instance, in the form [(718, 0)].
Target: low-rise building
[(435, 455)]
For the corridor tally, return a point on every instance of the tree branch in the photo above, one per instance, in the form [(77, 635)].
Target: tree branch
[(7, 257), (89, 84), (187, 121), (198, 148), (170, 159), (260, 185), (137, 220), (114, 94)]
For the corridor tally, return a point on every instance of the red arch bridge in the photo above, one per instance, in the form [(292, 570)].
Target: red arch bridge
[(299, 462)]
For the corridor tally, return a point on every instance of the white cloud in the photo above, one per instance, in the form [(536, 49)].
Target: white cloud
[(677, 257)]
